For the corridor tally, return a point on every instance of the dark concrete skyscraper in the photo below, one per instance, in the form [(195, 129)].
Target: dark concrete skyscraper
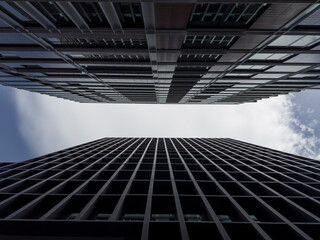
[(172, 188), (161, 51)]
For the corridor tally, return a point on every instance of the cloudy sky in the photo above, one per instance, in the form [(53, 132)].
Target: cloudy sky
[(32, 124)]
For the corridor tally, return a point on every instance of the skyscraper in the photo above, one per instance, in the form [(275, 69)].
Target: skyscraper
[(161, 51), (155, 188)]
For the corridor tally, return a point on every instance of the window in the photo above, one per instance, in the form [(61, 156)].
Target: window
[(274, 76), (163, 217), (238, 75), (54, 13), (163, 208), (103, 42), (254, 218), (306, 76), (130, 15), (111, 56), (224, 218), (133, 217), (312, 20), (198, 41), (286, 68), (199, 57), (4, 74), (133, 208), (270, 56), (92, 14), (225, 14), (193, 217), (295, 41), (252, 67), (103, 207)]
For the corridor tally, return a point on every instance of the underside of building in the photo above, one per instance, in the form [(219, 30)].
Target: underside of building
[(161, 51), (161, 188)]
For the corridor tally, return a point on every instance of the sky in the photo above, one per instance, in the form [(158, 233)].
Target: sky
[(33, 124)]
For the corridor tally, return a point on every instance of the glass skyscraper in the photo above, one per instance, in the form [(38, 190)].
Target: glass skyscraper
[(171, 51)]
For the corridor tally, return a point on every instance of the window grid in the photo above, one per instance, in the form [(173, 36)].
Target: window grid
[(192, 187)]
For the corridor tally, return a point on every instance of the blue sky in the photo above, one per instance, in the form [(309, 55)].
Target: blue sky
[(33, 124)]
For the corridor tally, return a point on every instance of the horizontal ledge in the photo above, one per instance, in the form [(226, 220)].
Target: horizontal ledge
[(135, 51), (136, 33), (147, 63)]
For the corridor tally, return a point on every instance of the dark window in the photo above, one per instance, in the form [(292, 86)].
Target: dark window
[(225, 14)]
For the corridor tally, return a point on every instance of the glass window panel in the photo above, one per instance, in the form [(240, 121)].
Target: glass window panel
[(44, 65), (295, 41), (14, 38), (4, 74), (284, 40), (269, 75), (260, 56), (313, 19), (306, 58), (306, 75), (17, 79), (253, 67), (77, 56), (278, 56), (239, 75), (306, 41), (29, 54), (225, 14), (54, 13), (244, 86), (269, 56), (36, 74), (286, 68), (92, 14)]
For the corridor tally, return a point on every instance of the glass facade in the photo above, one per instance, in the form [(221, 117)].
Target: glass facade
[(162, 52)]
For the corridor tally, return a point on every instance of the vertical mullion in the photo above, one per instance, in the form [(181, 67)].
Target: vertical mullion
[(182, 223), (283, 218), (19, 211), (274, 191), (272, 152), (147, 215), (116, 212), (258, 157), (51, 168), (259, 152), (64, 201), (6, 201), (227, 194), (210, 210), (47, 158), (87, 209)]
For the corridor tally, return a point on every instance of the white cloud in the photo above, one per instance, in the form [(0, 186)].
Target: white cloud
[(49, 124)]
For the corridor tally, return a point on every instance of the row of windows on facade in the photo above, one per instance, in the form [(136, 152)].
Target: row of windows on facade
[(162, 208), (130, 14)]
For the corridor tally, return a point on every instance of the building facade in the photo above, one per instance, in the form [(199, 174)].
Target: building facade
[(161, 51), (161, 188)]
